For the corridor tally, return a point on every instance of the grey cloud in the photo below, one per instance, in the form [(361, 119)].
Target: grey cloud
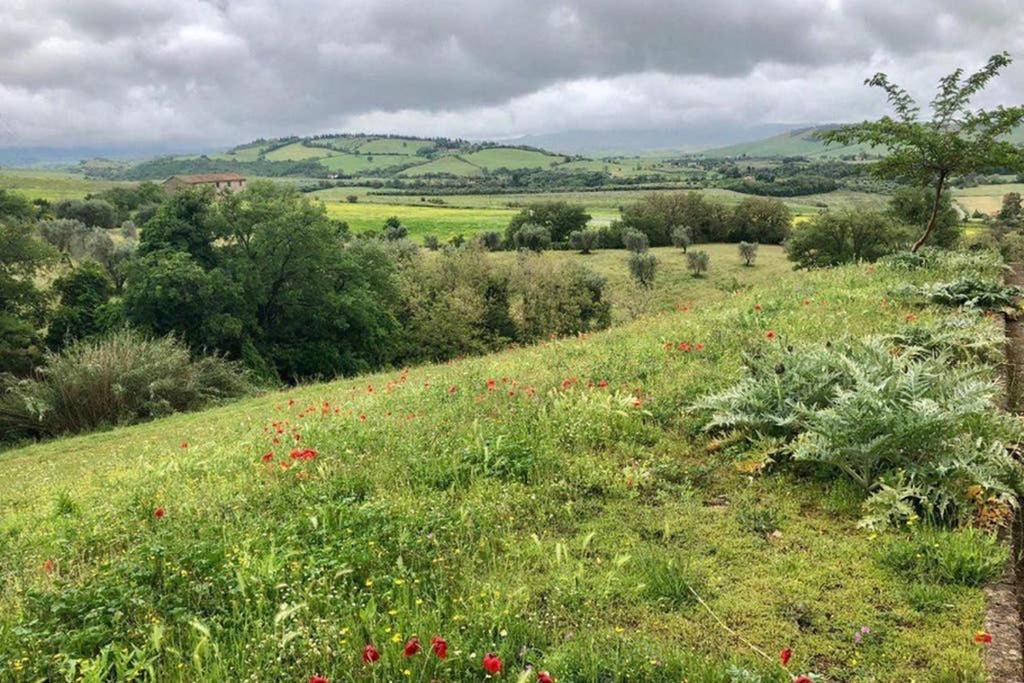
[(86, 71)]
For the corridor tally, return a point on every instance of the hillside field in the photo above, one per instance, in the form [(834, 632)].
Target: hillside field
[(556, 505)]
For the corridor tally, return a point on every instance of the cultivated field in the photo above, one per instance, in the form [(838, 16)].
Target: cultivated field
[(985, 198), (556, 505)]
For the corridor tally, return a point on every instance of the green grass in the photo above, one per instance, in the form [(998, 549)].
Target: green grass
[(674, 287), (53, 185), (352, 163), (507, 157), (421, 220), (549, 520), (446, 164), (394, 146), (297, 151)]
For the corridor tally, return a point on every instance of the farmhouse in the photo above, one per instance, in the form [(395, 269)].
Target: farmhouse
[(225, 182)]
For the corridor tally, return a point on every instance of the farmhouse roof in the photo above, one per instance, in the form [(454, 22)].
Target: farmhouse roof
[(207, 178)]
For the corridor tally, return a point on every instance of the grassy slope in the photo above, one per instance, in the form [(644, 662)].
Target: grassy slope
[(421, 220), (502, 157), (985, 198), (792, 143), (406, 523), (53, 185), (445, 164)]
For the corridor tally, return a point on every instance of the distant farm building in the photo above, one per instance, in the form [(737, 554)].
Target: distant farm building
[(223, 182)]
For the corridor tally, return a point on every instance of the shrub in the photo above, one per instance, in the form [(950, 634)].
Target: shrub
[(533, 237), (584, 241), (395, 231), (1012, 247), (490, 239), (921, 436), (970, 291), (697, 262), (431, 242), (351, 198), (84, 293), (642, 266), (835, 237), (559, 298), (635, 241), (117, 379), (748, 252), (681, 237)]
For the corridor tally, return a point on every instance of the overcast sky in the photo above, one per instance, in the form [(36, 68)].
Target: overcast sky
[(221, 72)]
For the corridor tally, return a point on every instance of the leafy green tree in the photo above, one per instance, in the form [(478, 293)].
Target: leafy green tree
[(22, 302), (187, 222), (760, 219), (698, 262), (635, 241), (682, 237), (642, 266), (84, 294), (956, 139), (169, 292), (836, 237), (559, 218), (67, 235), (658, 213), (584, 241)]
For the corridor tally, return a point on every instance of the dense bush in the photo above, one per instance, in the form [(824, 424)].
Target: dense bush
[(95, 213), (920, 435), (453, 304), (560, 219), (660, 215), (431, 242), (490, 239), (642, 266), (558, 299), (912, 206), (118, 379), (970, 291), (836, 237), (532, 237)]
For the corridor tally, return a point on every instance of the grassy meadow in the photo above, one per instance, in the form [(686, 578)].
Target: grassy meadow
[(985, 198), (556, 505), (52, 186)]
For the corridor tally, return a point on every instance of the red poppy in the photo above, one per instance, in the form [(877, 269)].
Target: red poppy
[(362, 417), (911, 317), (603, 384), (369, 388), (770, 335), (491, 384), (268, 456), (440, 646), (757, 307), (304, 453), (803, 678), (983, 637), (699, 347), (545, 677), (48, 566), (785, 655), (184, 444), (492, 663), (159, 513), (412, 647), (452, 389), (318, 679), (370, 654)]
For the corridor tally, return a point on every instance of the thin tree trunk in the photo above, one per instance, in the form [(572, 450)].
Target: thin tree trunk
[(935, 214)]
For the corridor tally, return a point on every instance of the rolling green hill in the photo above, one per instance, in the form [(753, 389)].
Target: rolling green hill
[(556, 505)]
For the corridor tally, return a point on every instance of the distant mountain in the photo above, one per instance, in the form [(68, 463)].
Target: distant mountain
[(603, 143), (27, 157), (806, 142)]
